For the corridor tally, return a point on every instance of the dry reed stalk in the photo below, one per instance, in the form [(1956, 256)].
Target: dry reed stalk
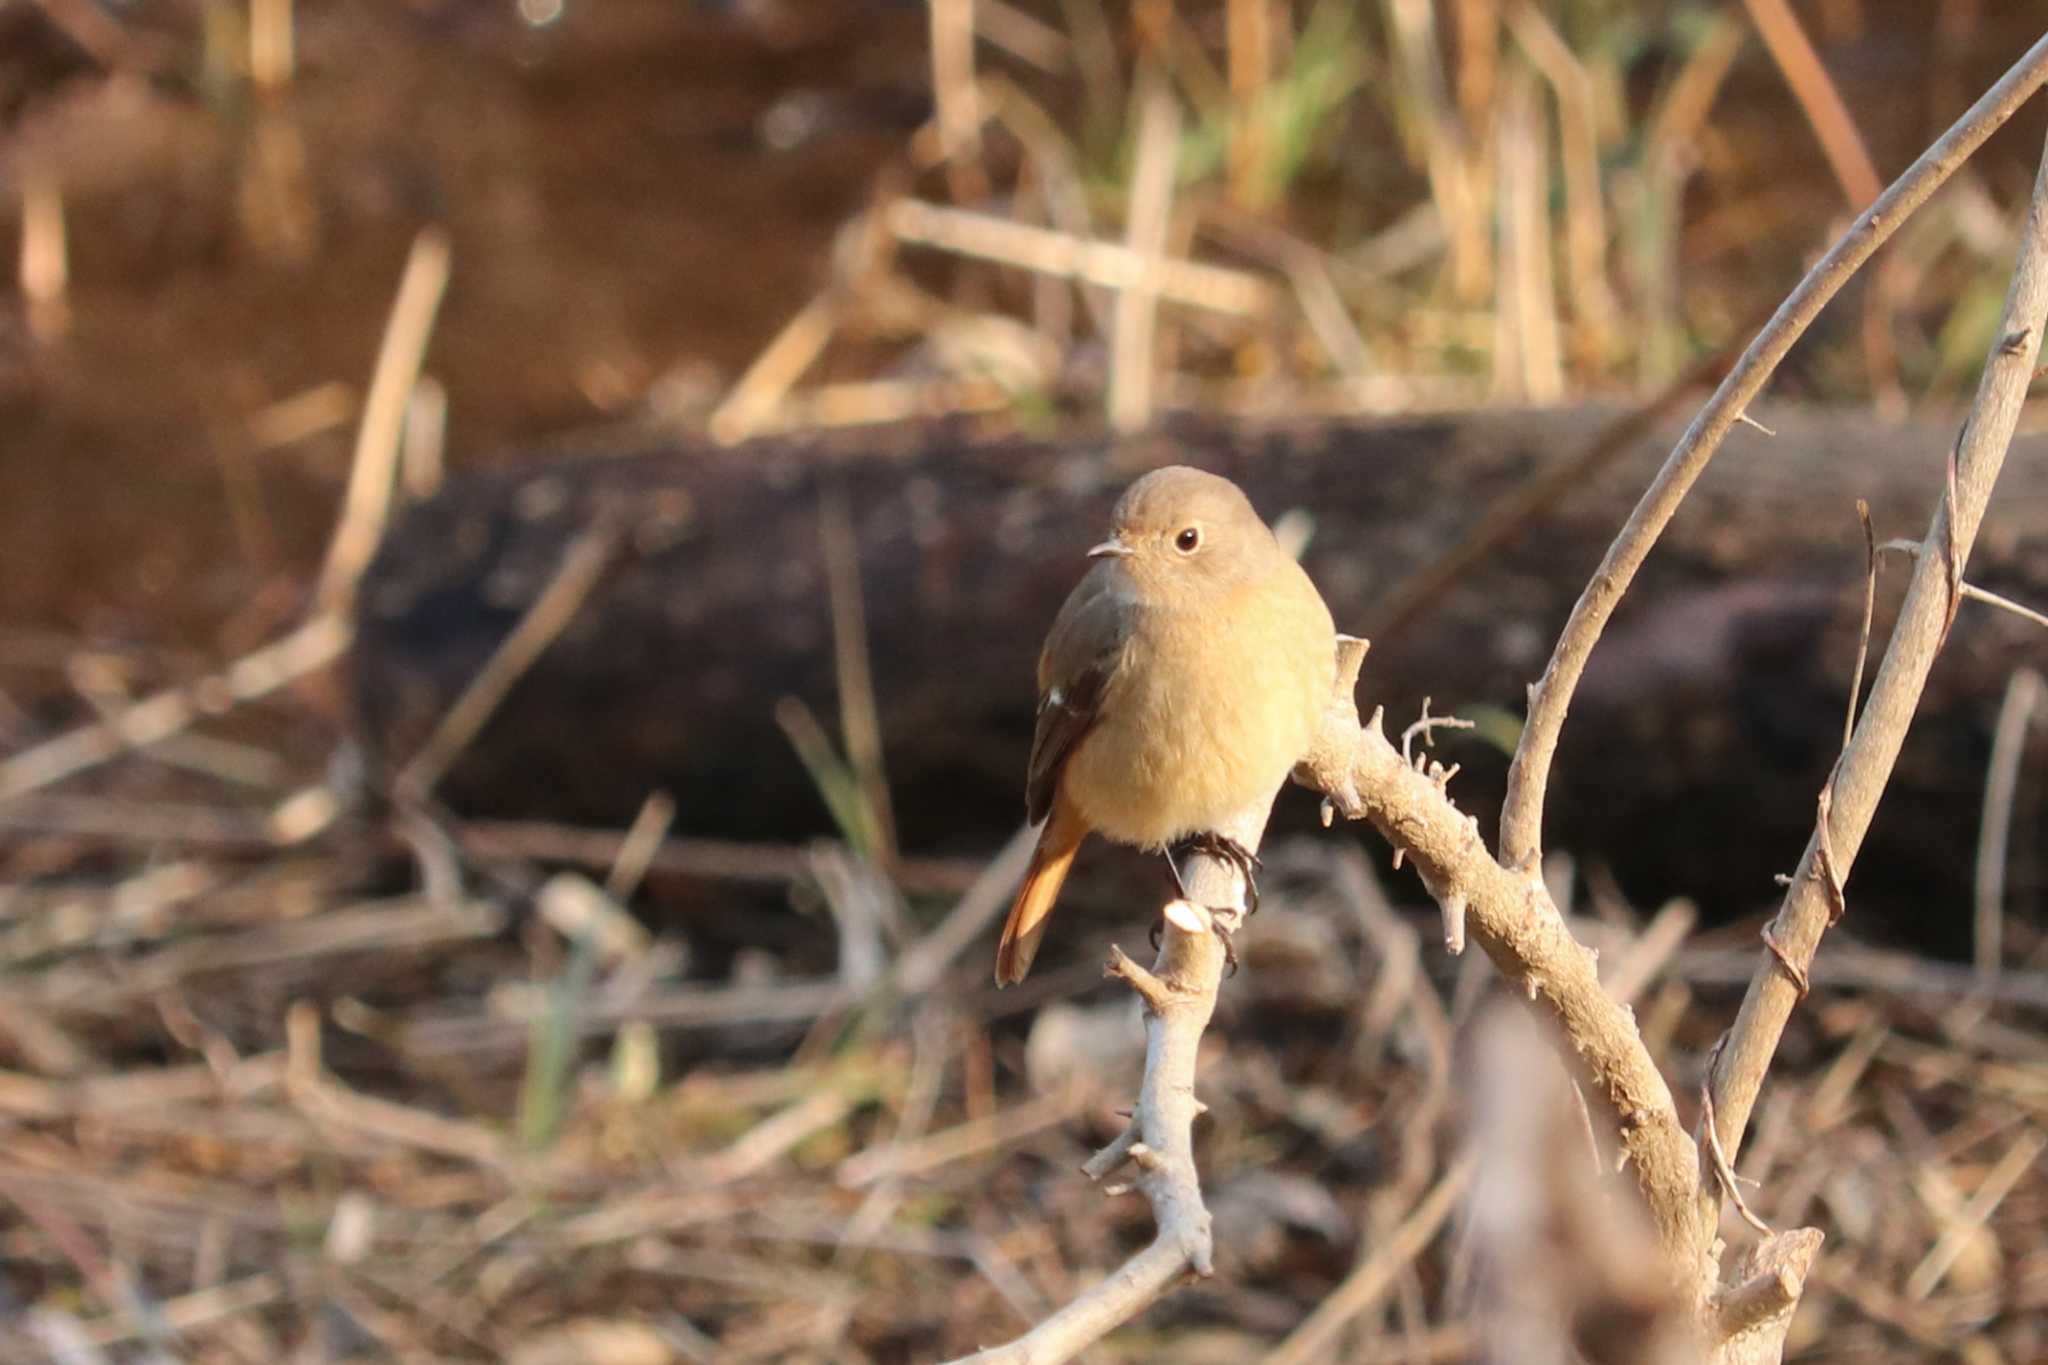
[(1148, 216), (156, 718), (367, 502)]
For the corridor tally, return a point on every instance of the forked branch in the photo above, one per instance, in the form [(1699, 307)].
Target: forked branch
[(1157, 1145), (1512, 917), (1741, 1318), (1521, 822), (1849, 799)]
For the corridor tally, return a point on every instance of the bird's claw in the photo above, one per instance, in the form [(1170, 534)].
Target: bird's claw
[(1215, 926), (1238, 856), (1229, 948), (1230, 851)]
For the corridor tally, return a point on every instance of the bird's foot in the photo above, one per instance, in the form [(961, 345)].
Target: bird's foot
[(1231, 851), (1229, 947), (1237, 855)]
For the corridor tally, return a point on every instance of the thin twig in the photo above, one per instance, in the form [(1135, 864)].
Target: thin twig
[(1997, 1184), (915, 1157), (921, 965), (103, 37), (1431, 122), (1818, 98), (270, 44), (1870, 969), (504, 1025), (1634, 969), (325, 1100), (1994, 831), (1248, 49), (194, 1311), (859, 716), (1970, 591), (311, 647), (1522, 813), (1860, 776), (709, 859), (744, 411), (583, 562), (1111, 265), (639, 846), (379, 432), (1308, 271), (1180, 994), (1863, 630), (43, 269), (953, 89), (1725, 1177)]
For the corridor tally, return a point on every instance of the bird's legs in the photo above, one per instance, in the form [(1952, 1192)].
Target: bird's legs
[(1237, 855)]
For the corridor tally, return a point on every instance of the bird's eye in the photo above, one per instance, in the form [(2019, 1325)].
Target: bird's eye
[(1189, 540)]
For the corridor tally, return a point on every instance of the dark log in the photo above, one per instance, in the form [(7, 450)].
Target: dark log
[(1704, 728)]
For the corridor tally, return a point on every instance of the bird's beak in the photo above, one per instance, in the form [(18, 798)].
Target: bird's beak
[(1111, 548)]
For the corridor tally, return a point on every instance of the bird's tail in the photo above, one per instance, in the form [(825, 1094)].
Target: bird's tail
[(1057, 842)]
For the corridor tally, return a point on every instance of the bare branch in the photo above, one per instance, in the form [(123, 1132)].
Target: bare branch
[(1866, 765), (1550, 698), (1724, 1171), (1971, 591), (1749, 1319), (1567, 1275), (1512, 915), (1514, 919), (1179, 991)]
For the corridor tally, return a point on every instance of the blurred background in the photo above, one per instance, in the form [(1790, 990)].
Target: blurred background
[(524, 526)]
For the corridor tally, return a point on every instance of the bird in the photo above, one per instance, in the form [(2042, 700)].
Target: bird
[(1182, 680)]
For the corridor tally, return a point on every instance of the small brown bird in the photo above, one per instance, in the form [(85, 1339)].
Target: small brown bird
[(1181, 682)]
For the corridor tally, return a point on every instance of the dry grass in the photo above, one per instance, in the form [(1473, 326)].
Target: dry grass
[(1372, 208), (249, 1115), (281, 1079)]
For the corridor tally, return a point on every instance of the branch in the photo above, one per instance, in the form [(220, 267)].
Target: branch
[(1850, 797), (1564, 1272), (1749, 1318), (1179, 992), (1508, 910), (1514, 920), (1550, 698)]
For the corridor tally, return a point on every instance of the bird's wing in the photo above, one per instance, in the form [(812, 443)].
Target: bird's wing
[(1076, 672)]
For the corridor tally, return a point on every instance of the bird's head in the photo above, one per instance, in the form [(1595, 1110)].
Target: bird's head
[(1179, 527)]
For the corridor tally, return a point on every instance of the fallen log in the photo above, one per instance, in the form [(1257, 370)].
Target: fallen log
[(1704, 728)]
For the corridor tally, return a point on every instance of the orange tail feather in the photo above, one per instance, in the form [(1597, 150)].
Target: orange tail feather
[(1057, 843)]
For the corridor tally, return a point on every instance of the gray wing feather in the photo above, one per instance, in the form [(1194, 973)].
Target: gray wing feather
[(1076, 672)]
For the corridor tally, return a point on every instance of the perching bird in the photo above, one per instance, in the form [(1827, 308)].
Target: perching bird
[(1181, 682)]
